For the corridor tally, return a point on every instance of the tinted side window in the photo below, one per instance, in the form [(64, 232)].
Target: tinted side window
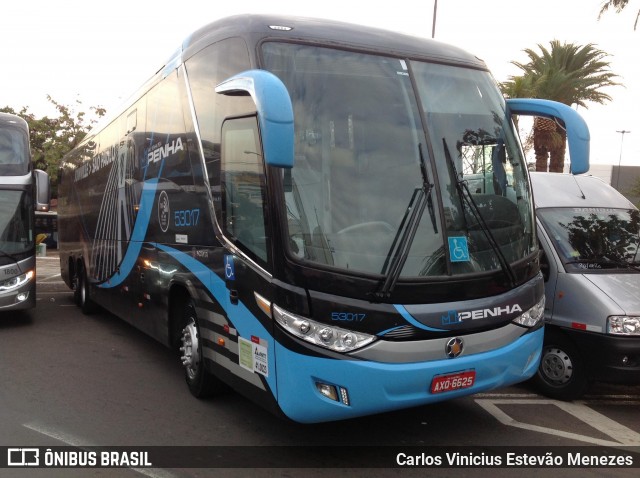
[(243, 187), (206, 70)]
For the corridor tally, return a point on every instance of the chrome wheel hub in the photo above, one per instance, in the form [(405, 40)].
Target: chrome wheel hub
[(190, 358)]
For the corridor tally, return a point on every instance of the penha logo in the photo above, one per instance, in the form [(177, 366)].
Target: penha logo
[(454, 317)]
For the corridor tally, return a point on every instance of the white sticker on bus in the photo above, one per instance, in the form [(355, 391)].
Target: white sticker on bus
[(253, 356)]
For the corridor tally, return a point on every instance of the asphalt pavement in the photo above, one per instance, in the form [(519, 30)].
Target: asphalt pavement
[(48, 272)]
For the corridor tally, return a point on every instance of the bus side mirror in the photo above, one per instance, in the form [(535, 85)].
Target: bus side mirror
[(577, 130), (43, 190), (275, 112)]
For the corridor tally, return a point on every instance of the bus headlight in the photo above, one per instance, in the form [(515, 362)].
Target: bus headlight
[(533, 316), (327, 336), (16, 281), (623, 325)]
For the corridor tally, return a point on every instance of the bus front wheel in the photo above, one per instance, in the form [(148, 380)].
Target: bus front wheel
[(201, 383)]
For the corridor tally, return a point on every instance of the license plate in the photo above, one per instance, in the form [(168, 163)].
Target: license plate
[(453, 381)]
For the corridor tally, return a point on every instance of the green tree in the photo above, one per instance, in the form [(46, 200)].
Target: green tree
[(565, 72), (52, 138), (635, 190), (618, 5)]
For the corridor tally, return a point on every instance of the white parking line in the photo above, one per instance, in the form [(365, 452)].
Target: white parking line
[(618, 432), (78, 443), (55, 276)]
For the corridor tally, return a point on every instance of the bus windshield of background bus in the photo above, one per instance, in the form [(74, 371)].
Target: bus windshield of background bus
[(358, 137), (14, 152), (16, 227)]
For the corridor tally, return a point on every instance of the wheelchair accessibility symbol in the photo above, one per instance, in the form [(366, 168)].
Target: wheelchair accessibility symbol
[(229, 267), (458, 249)]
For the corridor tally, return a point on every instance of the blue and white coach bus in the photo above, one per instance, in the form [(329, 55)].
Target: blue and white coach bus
[(285, 203), (22, 190)]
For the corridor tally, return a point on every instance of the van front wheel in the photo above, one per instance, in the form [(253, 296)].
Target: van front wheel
[(562, 374)]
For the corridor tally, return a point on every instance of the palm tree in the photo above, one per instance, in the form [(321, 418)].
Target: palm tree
[(619, 5), (568, 73)]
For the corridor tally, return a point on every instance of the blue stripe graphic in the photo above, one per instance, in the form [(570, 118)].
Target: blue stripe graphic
[(137, 235), (409, 318), (239, 315)]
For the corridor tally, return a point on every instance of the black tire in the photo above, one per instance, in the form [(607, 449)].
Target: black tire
[(75, 285), (562, 372), (86, 303), (201, 383)]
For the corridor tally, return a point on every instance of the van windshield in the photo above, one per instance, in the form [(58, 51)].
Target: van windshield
[(593, 239)]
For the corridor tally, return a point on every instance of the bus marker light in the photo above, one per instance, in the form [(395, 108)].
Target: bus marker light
[(345, 396), (281, 28), (221, 342), (264, 304)]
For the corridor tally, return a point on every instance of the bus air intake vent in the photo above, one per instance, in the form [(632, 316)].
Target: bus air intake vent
[(404, 332)]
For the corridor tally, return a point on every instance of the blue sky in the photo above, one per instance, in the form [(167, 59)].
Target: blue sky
[(99, 52)]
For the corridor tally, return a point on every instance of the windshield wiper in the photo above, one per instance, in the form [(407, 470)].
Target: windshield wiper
[(427, 184), (602, 264), (399, 251), (467, 197), (619, 263), (10, 256)]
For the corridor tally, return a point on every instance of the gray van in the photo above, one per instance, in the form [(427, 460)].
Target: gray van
[(589, 237)]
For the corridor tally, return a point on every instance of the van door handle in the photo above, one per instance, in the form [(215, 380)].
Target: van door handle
[(233, 296)]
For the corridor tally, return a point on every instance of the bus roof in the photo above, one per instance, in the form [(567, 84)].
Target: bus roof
[(256, 28), (328, 32), (13, 120)]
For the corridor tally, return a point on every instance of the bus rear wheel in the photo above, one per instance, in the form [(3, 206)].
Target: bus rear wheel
[(87, 305), (201, 383)]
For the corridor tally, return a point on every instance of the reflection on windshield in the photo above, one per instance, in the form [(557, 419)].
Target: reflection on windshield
[(594, 238), (16, 226), (14, 152), (359, 130)]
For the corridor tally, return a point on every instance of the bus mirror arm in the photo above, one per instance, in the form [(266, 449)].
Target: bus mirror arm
[(577, 130), (274, 109)]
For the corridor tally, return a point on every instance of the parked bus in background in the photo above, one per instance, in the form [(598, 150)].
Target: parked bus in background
[(285, 203), (22, 190)]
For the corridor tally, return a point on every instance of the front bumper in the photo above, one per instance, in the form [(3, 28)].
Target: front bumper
[(375, 387)]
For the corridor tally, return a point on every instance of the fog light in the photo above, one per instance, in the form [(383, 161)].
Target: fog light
[(625, 360), (22, 296), (328, 391)]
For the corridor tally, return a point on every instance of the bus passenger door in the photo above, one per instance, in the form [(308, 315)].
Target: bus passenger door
[(244, 220)]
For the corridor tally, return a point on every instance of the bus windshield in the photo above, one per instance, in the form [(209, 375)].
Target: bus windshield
[(14, 151), (594, 239), (16, 224), (367, 140)]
